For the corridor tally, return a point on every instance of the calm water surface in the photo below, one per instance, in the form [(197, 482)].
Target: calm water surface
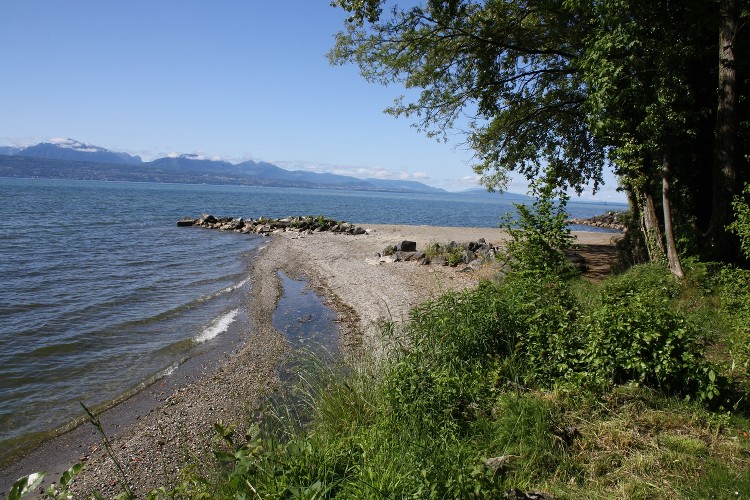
[(99, 290)]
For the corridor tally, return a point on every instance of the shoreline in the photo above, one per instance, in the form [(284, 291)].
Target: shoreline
[(340, 269)]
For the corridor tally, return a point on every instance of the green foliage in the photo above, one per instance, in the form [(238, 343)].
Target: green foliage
[(636, 334), (60, 491), (541, 235), (452, 252), (27, 484), (309, 222), (509, 65), (734, 293), (544, 315), (741, 224), (631, 248)]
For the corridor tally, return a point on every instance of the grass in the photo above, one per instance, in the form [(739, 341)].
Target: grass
[(631, 388), (469, 407)]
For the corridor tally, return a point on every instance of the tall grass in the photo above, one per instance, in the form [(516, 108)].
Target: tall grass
[(530, 384)]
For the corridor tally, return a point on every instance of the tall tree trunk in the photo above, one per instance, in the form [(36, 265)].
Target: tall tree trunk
[(725, 134), (650, 226), (673, 258)]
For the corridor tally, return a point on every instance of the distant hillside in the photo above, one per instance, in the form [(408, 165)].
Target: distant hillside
[(70, 159), (9, 150), (70, 149), (483, 193)]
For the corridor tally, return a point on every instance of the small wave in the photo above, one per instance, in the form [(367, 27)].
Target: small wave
[(219, 325), (169, 370), (235, 287), (224, 290)]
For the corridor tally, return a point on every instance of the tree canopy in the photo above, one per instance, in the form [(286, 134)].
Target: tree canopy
[(567, 89)]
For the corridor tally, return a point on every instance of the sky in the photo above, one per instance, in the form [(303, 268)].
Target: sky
[(227, 79)]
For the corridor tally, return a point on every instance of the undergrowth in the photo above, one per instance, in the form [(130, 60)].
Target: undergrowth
[(536, 382)]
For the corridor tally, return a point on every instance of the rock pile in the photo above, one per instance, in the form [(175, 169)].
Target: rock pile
[(265, 226), (610, 220), (472, 255)]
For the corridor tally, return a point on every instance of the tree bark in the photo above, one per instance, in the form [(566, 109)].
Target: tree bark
[(725, 134), (673, 258), (650, 227)]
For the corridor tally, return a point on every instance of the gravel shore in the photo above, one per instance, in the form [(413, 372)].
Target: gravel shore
[(344, 270)]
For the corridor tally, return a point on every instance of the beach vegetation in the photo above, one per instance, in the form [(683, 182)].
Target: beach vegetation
[(537, 382), (59, 491), (540, 234), (452, 252)]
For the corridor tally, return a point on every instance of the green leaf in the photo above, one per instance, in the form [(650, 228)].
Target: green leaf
[(69, 475), (25, 485)]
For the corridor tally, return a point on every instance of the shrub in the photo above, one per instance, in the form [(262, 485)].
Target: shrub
[(741, 224), (541, 235), (541, 335), (635, 335), (735, 303), (452, 252)]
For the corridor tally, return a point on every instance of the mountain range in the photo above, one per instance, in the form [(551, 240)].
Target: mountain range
[(71, 159)]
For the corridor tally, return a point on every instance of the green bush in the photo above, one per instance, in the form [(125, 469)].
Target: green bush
[(541, 234), (741, 224), (542, 314), (635, 334), (734, 294), (452, 252)]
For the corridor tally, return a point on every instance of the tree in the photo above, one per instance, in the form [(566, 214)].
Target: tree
[(505, 64), (564, 90), (640, 101), (726, 126)]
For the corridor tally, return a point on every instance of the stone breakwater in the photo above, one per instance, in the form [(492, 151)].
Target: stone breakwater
[(610, 220), (265, 226), (470, 256)]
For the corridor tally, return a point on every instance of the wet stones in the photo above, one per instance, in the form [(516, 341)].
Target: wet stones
[(610, 220), (265, 226)]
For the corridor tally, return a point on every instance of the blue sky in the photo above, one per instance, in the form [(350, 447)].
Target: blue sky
[(234, 80)]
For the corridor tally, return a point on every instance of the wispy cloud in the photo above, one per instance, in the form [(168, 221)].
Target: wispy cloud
[(359, 171)]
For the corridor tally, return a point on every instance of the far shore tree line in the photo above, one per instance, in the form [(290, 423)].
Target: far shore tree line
[(561, 90)]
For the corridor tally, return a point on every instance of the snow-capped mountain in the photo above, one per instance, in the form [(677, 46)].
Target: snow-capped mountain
[(71, 159), (70, 149)]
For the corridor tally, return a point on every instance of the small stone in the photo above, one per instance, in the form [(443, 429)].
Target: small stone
[(499, 463), (439, 261)]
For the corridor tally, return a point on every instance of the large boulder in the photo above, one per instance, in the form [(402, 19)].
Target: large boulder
[(468, 256), (207, 219), (406, 246)]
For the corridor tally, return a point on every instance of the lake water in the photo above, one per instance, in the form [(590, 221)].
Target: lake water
[(101, 291)]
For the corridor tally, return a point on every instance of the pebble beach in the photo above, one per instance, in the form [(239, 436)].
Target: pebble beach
[(345, 272)]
